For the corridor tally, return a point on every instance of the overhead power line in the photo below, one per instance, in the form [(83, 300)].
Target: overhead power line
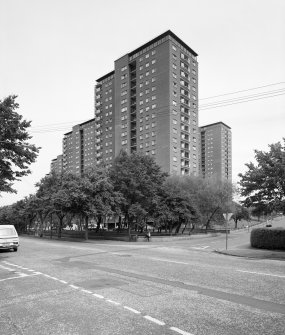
[(56, 127), (249, 89)]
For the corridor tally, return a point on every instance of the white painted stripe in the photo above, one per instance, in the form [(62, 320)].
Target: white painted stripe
[(262, 273), (24, 268), (161, 323), (166, 260), (86, 291), (63, 281), (180, 331), (113, 302), (132, 310), (73, 286), (47, 275), (31, 270), (98, 296), (21, 275), (53, 278)]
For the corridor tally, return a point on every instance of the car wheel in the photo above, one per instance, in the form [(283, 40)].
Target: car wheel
[(15, 249)]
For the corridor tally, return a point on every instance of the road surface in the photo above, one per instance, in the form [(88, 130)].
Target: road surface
[(108, 287)]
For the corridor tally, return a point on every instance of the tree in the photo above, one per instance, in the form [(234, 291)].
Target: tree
[(263, 184), (16, 153), (239, 213), (175, 206), (138, 178), (211, 196)]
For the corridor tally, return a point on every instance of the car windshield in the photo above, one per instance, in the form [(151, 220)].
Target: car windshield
[(7, 232)]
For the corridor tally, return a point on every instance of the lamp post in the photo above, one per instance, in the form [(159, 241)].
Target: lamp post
[(227, 216)]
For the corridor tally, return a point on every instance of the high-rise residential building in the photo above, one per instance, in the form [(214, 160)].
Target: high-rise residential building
[(79, 150), (149, 104), (57, 164), (216, 151)]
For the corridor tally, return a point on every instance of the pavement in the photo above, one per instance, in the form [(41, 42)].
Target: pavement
[(249, 252)]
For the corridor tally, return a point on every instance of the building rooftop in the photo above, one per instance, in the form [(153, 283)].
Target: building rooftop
[(216, 123)]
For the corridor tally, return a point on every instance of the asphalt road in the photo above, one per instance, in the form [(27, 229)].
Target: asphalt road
[(107, 287)]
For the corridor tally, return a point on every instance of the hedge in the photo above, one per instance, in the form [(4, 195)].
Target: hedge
[(268, 238)]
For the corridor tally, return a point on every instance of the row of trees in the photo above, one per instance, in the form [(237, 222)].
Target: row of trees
[(134, 190)]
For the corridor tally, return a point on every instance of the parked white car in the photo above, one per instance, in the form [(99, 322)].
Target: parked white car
[(9, 238)]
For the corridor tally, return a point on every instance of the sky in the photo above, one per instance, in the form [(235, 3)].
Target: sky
[(52, 52)]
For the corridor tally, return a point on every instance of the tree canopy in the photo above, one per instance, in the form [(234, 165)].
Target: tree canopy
[(263, 184), (16, 153)]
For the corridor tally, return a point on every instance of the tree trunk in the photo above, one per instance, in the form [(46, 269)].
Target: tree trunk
[(86, 227), (60, 226), (210, 218)]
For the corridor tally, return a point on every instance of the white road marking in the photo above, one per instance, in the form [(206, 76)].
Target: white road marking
[(86, 291), (132, 310), (161, 323), (21, 275), (113, 302), (5, 268), (200, 248), (75, 287), (63, 281), (98, 296), (180, 331), (166, 260), (262, 273), (31, 270)]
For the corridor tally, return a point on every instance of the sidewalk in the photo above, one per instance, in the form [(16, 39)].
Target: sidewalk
[(249, 252)]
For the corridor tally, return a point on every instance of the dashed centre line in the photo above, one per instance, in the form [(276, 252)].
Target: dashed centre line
[(132, 310), (161, 323), (147, 317), (179, 331)]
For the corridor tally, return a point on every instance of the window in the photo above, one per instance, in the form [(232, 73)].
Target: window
[(147, 91), (174, 48), (123, 84), (141, 110), (147, 109), (141, 102), (174, 112), (153, 70), (174, 130), (153, 124), (124, 109), (152, 142), (124, 93), (153, 97), (147, 82), (153, 52), (153, 133), (153, 116), (174, 75), (124, 68), (147, 73), (147, 65), (141, 94), (153, 152), (141, 76), (174, 66), (153, 106), (174, 103), (124, 76), (147, 55), (146, 126), (141, 67), (174, 159), (153, 61), (174, 121), (174, 56), (123, 101), (141, 85), (147, 100)]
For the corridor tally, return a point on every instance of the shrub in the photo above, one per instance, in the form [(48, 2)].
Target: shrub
[(268, 238)]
